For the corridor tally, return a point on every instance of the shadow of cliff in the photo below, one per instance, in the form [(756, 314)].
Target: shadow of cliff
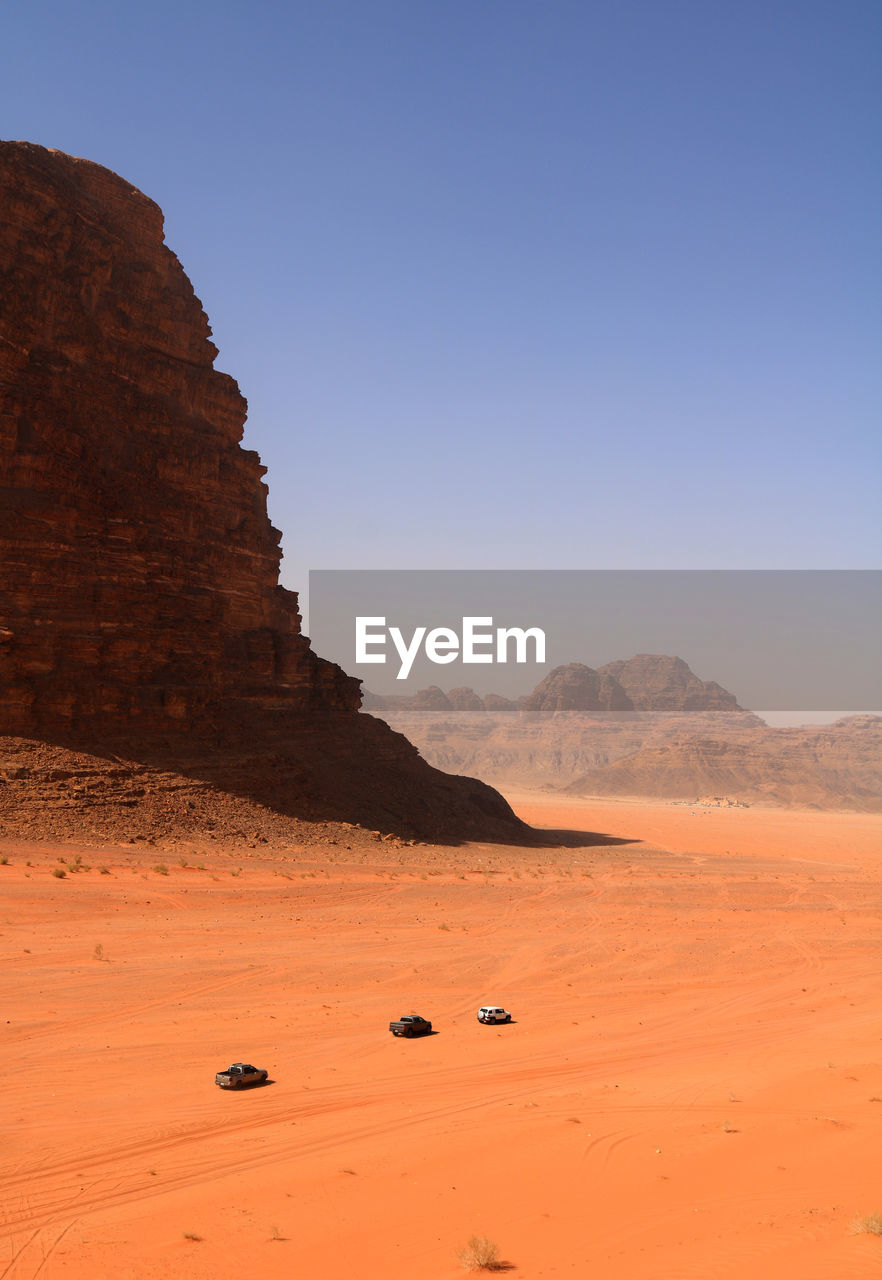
[(554, 838), (252, 773)]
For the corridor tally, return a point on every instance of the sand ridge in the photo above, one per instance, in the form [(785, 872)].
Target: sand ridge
[(692, 1084)]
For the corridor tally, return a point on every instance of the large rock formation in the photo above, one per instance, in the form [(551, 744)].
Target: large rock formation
[(139, 567), (576, 687), (139, 595), (657, 682), (670, 754), (645, 726), (646, 682)]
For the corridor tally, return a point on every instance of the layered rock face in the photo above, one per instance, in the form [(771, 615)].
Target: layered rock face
[(139, 578), (836, 766), (140, 610)]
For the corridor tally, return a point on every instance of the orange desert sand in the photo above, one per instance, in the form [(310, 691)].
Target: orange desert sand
[(691, 1087)]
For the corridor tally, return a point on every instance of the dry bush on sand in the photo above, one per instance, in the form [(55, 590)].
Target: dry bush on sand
[(480, 1254), (871, 1224)]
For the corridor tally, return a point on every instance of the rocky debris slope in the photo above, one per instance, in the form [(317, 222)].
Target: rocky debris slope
[(140, 608), (297, 788)]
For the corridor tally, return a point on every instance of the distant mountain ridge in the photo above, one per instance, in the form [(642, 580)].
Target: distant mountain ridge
[(646, 726), (646, 682), (829, 766)]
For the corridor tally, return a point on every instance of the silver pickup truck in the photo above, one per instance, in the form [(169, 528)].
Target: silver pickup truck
[(239, 1074)]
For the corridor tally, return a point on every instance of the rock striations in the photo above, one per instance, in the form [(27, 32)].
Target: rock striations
[(139, 594), (140, 569)]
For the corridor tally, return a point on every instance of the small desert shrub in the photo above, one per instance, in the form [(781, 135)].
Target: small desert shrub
[(4, 861), (191, 1235), (161, 869), (870, 1225), (98, 953), (104, 871), (59, 873), (480, 1254)]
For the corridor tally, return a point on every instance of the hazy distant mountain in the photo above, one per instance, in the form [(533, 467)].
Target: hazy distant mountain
[(576, 687), (646, 682), (834, 766), (655, 682), (647, 726)]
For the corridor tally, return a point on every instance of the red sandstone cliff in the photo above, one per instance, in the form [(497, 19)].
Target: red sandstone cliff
[(139, 596), (140, 569)]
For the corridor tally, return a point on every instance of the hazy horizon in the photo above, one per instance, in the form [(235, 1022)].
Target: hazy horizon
[(793, 640)]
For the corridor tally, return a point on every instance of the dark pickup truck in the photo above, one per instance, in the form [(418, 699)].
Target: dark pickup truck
[(410, 1025), (239, 1074)]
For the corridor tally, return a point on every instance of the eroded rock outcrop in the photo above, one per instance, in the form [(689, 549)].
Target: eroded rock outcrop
[(646, 682), (139, 594), (658, 682), (576, 687)]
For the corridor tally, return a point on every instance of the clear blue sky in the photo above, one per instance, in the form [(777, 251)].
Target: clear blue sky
[(507, 283)]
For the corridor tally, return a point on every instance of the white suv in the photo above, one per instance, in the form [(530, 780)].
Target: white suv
[(492, 1013)]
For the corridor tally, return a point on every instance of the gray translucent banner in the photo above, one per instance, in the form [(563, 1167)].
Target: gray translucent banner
[(785, 640)]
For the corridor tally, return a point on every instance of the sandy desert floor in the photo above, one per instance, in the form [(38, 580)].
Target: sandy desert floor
[(691, 1087)]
